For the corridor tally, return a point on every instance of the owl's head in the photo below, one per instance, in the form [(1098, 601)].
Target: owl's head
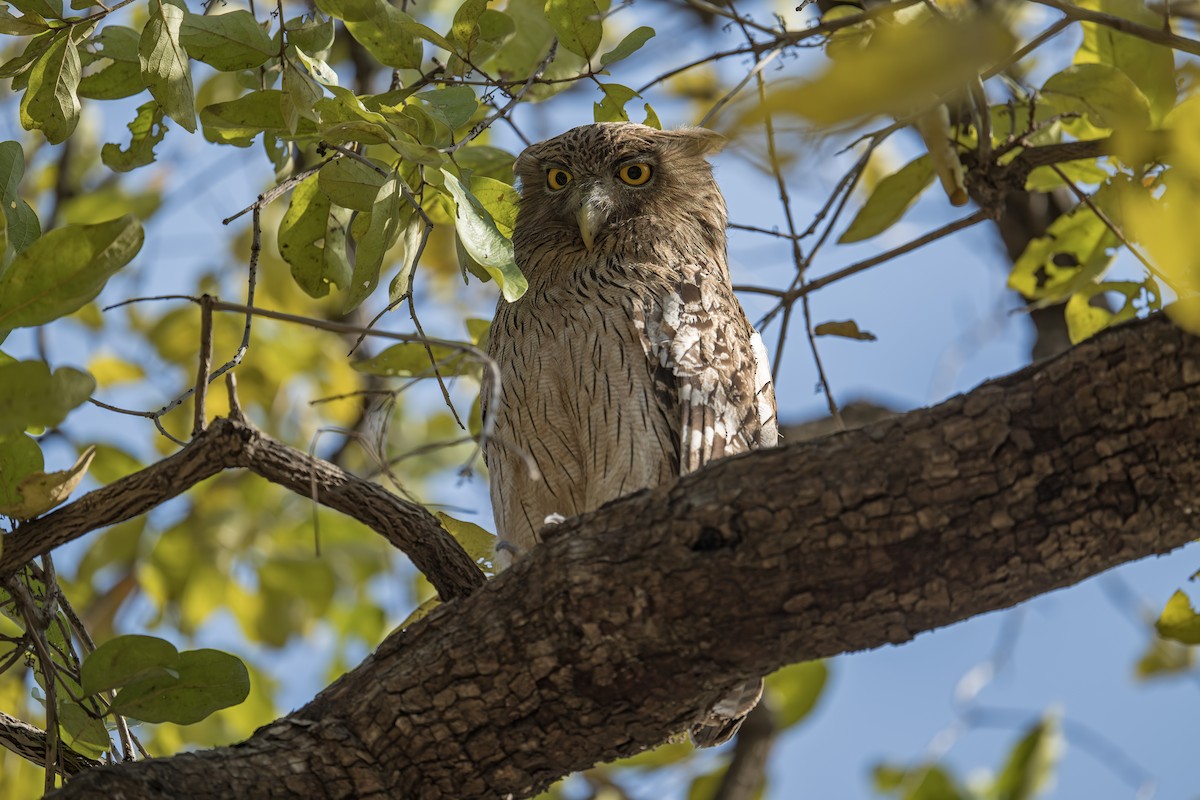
[(597, 179)]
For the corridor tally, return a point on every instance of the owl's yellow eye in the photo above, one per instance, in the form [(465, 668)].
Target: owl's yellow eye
[(635, 174), (557, 178)]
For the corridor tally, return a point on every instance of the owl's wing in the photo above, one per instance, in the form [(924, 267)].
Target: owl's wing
[(710, 368)]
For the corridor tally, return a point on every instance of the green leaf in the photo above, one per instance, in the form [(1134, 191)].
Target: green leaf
[(1083, 319), (411, 359), (382, 232), (499, 199), (577, 24), (414, 235), (311, 33), (228, 42), (926, 782), (49, 9), (350, 183), (1031, 763), (65, 269), (454, 106), (20, 457), (147, 130), (388, 33), (82, 732), (165, 67), (1077, 247), (300, 95), (50, 103), (1108, 97), (238, 121), (891, 198), (115, 49), (795, 690), (632, 42), (312, 239), (612, 107), (1164, 658), (29, 25), (208, 680), (41, 491), (1150, 66), (464, 30), (18, 68), (21, 223), (483, 241), (1178, 621), (31, 396)]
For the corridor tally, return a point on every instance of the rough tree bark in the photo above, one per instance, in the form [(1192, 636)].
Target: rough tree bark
[(607, 638)]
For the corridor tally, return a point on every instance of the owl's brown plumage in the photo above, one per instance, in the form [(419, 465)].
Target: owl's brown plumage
[(629, 361)]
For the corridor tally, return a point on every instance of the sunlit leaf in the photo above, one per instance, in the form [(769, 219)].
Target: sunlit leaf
[(612, 107), (230, 41), (483, 241), (891, 198), (312, 239), (119, 74), (795, 690), (1164, 658), (64, 269), (1076, 248), (350, 183), (165, 67), (1108, 97), (50, 103), (146, 130), (577, 23), (411, 359), (1031, 763), (41, 491), (1179, 621), (383, 230), (479, 543), (1150, 66)]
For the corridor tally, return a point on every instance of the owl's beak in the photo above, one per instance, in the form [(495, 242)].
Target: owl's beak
[(591, 218)]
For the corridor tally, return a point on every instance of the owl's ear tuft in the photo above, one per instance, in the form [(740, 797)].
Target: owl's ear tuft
[(701, 141)]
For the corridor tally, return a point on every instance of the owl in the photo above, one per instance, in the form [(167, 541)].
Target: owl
[(628, 362)]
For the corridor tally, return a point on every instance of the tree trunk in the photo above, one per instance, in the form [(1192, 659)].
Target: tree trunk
[(612, 634)]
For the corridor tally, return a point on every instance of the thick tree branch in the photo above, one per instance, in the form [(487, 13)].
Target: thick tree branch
[(610, 635), (234, 444)]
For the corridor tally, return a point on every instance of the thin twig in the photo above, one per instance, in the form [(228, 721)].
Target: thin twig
[(201, 415), (799, 262), (517, 97), (1086, 199), (1154, 35), (920, 241)]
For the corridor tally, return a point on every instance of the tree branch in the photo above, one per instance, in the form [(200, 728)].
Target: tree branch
[(619, 628), (233, 444)]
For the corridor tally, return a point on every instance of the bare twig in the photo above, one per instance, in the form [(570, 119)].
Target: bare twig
[(200, 419)]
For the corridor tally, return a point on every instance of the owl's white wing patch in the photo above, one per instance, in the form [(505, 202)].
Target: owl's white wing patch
[(711, 367)]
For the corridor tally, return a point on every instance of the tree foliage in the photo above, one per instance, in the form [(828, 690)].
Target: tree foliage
[(376, 133)]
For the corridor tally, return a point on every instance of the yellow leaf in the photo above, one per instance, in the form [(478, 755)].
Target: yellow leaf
[(42, 491)]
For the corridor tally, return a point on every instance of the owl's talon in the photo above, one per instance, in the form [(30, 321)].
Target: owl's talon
[(553, 519)]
